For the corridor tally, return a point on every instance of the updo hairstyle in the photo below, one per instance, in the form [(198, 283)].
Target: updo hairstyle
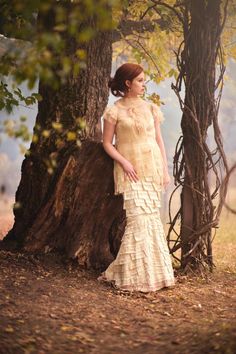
[(127, 71)]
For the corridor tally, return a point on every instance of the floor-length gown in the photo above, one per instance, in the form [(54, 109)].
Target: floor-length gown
[(143, 262)]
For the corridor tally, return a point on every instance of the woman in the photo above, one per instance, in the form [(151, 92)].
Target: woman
[(143, 262)]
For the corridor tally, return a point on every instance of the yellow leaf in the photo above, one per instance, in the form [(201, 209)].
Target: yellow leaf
[(9, 329), (59, 143), (81, 54), (22, 149), (65, 328), (35, 138), (71, 136), (56, 125), (46, 133), (50, 170), (20, 321)]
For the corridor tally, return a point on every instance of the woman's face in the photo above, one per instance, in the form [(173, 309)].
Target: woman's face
[(137, 85)]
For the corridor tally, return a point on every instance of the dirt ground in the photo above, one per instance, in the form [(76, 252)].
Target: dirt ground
[(49, 305)]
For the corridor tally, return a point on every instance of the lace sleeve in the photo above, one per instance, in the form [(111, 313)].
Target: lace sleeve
[(157, 113), (110, 114)]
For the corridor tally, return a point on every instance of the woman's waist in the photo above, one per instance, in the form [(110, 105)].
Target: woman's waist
[(142, 151), (150, 141)]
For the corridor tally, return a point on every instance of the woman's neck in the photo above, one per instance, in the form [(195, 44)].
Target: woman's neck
[(131, 96), (129, 101)]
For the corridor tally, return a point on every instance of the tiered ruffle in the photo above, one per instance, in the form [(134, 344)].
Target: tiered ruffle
[(147, 159), (143, 262)]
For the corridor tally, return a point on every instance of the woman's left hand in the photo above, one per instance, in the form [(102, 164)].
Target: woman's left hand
[(166, 179)]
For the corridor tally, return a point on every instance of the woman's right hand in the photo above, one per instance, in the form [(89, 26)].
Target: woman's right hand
[(130, 172)]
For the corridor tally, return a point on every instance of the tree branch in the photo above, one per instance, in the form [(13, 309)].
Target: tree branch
[(127, 27), (161, 3)]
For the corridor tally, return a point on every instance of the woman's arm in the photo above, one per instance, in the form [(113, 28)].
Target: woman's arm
[(108, 134), (160, 142)]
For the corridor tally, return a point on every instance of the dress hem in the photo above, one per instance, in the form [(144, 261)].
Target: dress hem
[(141, 287)]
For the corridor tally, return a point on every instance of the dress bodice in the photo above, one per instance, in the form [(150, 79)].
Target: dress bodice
[(135, 138), (134, 119)]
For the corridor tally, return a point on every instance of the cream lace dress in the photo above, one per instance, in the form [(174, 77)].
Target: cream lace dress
[(143, 262)]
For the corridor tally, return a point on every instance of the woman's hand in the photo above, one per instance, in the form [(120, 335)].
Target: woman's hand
[(166, 179), (130, 171)]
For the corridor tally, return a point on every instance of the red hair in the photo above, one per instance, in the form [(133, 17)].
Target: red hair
[(127, 71)]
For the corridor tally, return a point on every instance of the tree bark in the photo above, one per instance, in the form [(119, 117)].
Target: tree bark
[(79, 214), (200, 60)]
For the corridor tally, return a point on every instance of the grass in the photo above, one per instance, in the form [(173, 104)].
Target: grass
[(224, 244)]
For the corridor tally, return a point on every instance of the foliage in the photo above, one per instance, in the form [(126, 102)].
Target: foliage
[(9, 99), (154, 49), (33, 50), (229, 32), (157, 49), (39, 51)]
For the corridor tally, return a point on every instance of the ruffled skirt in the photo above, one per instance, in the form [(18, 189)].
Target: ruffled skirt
[(143, 262)]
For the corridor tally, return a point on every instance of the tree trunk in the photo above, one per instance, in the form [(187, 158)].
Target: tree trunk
[(197, 63), (73, 209), (79, 215)]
